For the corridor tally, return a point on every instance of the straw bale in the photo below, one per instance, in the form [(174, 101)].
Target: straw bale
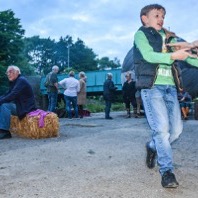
[(29, 126)]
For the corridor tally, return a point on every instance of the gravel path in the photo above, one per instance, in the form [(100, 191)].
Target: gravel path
[(95, 158)]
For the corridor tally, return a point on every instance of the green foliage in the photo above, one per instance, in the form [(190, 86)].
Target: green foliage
[(35, 54), (3, 80), (84, 59), (97, 104), (11, 34), (118, 107), (44, 53), (11, 46), (61, 104), (61, 54), (40, 53), (105, 63), (95, 108)]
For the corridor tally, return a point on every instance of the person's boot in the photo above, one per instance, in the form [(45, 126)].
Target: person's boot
[(4, 134), (128, 113)]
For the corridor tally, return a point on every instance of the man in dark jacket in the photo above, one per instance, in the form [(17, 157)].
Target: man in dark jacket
[(109, 89), (19, 100)]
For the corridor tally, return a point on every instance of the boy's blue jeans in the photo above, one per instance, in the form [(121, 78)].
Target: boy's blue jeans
[(164, 117), (6, 110)]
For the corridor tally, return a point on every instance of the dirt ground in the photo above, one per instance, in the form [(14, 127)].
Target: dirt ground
[(95, 158)]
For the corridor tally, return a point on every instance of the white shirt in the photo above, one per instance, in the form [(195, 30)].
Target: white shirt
[(71, 86)]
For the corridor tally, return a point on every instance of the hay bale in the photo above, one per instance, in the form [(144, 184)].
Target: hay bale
[(29, 126)]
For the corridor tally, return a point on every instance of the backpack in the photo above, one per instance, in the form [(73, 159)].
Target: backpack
[(47, 82)]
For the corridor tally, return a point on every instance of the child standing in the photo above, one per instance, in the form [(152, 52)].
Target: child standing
[(159, 79)]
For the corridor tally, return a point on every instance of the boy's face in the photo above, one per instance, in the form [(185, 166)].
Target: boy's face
[(155, 19)]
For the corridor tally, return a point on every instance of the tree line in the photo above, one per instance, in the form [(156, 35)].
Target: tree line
[(35, 55)]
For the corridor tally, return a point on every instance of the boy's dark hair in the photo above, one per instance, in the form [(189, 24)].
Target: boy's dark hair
[(145, 10)]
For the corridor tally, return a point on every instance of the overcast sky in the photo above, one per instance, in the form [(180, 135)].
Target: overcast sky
[(106, 26)]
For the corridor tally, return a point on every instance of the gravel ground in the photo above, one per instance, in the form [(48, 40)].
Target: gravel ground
[(95, 158)]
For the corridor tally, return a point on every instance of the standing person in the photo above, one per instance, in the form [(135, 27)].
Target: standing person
[(157, 77), (72, 87), (52, 88), (108, 93), (128, 92), (82, 93), (19, 100)]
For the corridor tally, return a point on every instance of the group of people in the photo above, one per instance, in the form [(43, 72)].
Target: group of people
[(155, 51), (131, 95), (19, 100), (74, 92)]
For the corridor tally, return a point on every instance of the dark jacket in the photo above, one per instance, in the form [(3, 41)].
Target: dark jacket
[(128, 91), (109, 90), (20, 93), (146, 73)]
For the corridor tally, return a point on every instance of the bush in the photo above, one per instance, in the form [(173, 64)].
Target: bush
[(97, 104), (118, 107)]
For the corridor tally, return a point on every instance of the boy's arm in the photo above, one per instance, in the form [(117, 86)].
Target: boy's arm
[(147, 51), (157, 57), (181, 45), (192, 61)]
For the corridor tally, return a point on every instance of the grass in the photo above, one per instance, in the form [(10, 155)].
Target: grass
[(97, 104)]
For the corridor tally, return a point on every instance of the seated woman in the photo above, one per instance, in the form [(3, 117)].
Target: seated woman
[(185, 100)]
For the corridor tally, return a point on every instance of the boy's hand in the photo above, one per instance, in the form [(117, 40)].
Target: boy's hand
[(195, 44), (180, 45), (182, 54)]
